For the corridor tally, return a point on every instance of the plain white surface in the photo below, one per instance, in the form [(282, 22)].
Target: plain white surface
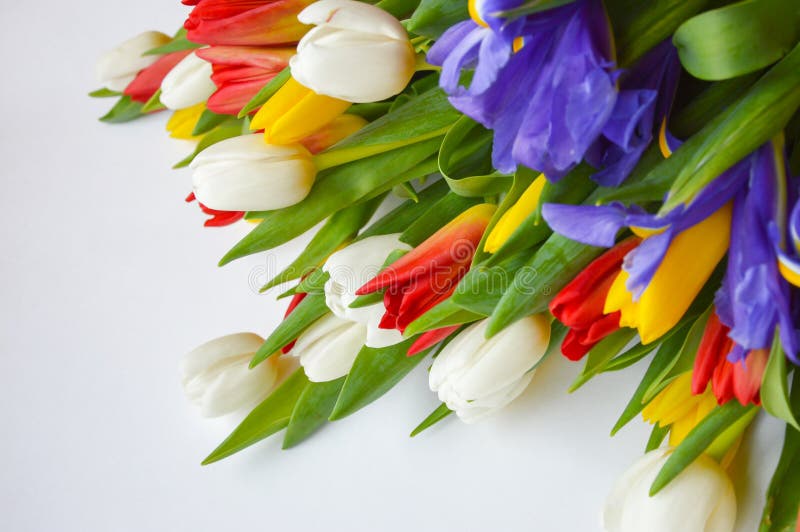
[(108, 277)]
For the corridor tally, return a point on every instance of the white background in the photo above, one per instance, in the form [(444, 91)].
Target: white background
[(108, 277)]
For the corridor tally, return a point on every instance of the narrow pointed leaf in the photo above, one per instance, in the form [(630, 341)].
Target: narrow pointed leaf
[(436, 416), (266, 92), (433, 17), (311, 410), (271, 416), (775, 387), (601, 354), (124, 110)]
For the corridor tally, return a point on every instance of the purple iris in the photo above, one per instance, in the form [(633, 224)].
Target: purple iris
[(547, 102), (754, 298), (644, 101), (598, 225)]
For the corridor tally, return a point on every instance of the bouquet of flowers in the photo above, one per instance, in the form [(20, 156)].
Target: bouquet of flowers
[(612, 180)]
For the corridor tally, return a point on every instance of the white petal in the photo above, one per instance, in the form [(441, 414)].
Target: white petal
[(216, 351), (116, 68), (355, 16), (328, 348), (238, 387), (188, 83)]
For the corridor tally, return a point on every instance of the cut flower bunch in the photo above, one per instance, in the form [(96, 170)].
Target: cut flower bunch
[(614, 181)]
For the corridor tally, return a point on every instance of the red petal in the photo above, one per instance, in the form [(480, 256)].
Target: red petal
[(430, 338), (148, 81), (747, 376), (713, 350)]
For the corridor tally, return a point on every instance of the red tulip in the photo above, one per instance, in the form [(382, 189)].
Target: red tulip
[(245, 22), (579, 305), (240, 72), (728, 379), (218, 218), (429, 273), (148, 80)]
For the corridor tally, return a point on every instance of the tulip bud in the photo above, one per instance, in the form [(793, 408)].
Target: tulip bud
[(216, 376), (328, 348), (357, 52), (188, 83), (475, 376), (349, 269), (700, 499), (116, 68), (245, 174)]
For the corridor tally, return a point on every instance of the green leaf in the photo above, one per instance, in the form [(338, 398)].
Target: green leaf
[(483, 286), (208, 120), (124, 110), (177, 44), (444, 314), (639, 26), (783, 494), (311, 410), (269, 417), (398, 219), (698, 440), (374, 372), (225, 131), (314, 282), (433, 17), (757, 117), (339, 229), (738, 39), (668, 347), (369, 111), (556, 263), (657, 436), (310, 309), (601, 354), (683, 360), (423, 117), (436, 217), (398, 8), (266, 92), (630, 357), (436, 416), (154, 103), (104, 93), (335, 189), (774, 385), (465, 161)]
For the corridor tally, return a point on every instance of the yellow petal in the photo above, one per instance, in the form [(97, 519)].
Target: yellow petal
[(513, 217), (287, 97), (619, 299), (789, 271), (687, 265), (183, 121), (310, 114)]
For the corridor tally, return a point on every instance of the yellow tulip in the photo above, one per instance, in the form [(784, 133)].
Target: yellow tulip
[(677, 408), (685, 268), (183, 121), (513, 217)]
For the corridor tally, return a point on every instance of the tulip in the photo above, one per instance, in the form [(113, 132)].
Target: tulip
[(357, 53), (728, 379), (580, 304), (188, 84), (677, 407), (216, 376), (700, 499), (118, 67), (513, 217), (244, 174), (475, 377), (685, 267), (430, 338), (239, 72), (351, 267), (327, 349), (429, 273), (183, 121), (148, 81), (245, 22)]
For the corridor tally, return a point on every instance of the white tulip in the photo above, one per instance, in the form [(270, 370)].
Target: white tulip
[(475, 376), (187, 84), (216, 376), (328, 348), (700, 499), (357, 52), (349, 269), (246, 174), (116, 68)]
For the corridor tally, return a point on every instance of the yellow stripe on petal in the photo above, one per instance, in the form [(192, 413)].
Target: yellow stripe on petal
[(687, 265), (513, 217), (472, 5), (662, 140), (183, 121), (789, 270)]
